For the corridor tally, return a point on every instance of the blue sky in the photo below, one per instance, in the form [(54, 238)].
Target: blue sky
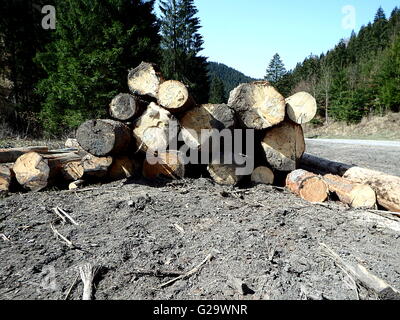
[(245, 34)]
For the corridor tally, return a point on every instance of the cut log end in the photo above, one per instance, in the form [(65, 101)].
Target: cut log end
[(263, 175), (6, 178), (145, 80), (301, 107), (124, 107), (166, 164), (224, 174), (308, 186), (174, 96), (122, 168)]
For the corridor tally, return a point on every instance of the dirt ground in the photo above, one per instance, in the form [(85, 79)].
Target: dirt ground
[(144, 235)]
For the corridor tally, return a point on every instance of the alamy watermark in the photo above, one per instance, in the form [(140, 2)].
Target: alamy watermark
[(49, 20)]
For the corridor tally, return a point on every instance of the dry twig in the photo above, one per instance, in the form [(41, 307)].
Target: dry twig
[(88, 272)]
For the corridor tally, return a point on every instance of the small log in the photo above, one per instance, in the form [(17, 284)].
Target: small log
[(96, 167), (145, 80), (76, 184), (152, 129), (323, 166), (35, 172), (168, 164), (12, 154), (354, 194), (205, 117), (104, 137), (284, 145), (125, 106), (121, 168), (307, 185), (301, 107), (258, 105), (174, 96), (386, 187), (263, 175), (7, 178), (224, 172)]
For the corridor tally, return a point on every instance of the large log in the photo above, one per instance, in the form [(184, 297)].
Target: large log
[(387, 187), (12, 154), (35, 172), (258, 105), (96, 167), (205, 117), (145, 80), (168, 164), (323, 166), (125, 106), (7, 177), (122, 168), (301, 107), (152, 130), (174, 96), (354, 194), (307, 185), (284, 145), (263, 175), (104, 137)]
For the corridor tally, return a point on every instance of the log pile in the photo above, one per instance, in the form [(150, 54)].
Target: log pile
[(149, 125)]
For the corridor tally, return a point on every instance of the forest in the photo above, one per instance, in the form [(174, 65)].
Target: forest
[(51, 80)]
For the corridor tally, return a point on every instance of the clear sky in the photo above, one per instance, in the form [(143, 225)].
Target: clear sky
[(245, 34)]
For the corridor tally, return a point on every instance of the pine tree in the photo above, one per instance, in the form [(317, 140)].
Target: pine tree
[(96, 42), (181, 44), (217, 91), (380, 15), (276, 69)]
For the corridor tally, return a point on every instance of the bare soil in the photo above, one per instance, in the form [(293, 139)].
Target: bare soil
[(141, 232)]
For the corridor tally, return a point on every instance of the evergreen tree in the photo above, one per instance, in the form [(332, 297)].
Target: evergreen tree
[(276, 69), (380, 15), (95, 43), (217, 91), (181, 44)]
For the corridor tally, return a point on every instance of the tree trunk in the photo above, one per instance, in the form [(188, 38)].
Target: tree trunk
[(263, 175), (152, 130), (258, 105), (11, 155), (168, 164), (301, 107), (96, 167), (35, 172), (354, 194), (307, 185), (7, 178), (174, 96), (284, 145), (104, 137), (386, 187), (205, 117), (125, 106), (323, 166), (145, 80)]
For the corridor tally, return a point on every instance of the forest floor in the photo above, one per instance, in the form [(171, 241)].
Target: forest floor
[(144, 234), (371, 128)]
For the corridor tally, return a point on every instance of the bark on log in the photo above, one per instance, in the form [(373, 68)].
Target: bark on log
[(122, 168), (168, 164), (284, 145), (104, 137), (125, 106), (307, 185), (96, 167), (145, 80), (152, 130), (205, 117), (263, 175), (324, 166), (301, 107), (354, 194), (12, 154), (174, 96), (35, 172), (258, 105), (7, 177), (386, 187)]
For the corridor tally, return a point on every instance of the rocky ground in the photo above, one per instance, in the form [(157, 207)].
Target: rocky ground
[(143, 235)]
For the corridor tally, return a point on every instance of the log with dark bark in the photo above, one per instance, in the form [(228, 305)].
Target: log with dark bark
[(301, 107), (167, 164), (125, 107), (104, 137), (35, 172), (355, 195), (12, 154), (205, 117), (386, 187), (284, 145), (258, 105), (323, 166), (307, 185), (263, 175), (174, 96), (152, 130), (145, 80)]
